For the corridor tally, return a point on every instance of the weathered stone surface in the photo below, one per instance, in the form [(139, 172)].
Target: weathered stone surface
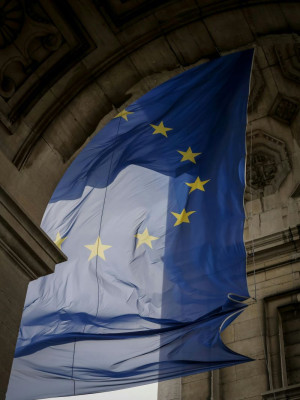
[(247, 386), (118, 80), (228, 375), (254, 368), (195, 388), (253, 207), (26, 253), (190, 43), (50, 108), (247, 329), (285, 109), (264, 19), (171, 390), (219, 28), (277, 224), (228, 334), (290, 11), (270, 202), (78, 121), (192, 378), (137, 31), (154, 57)]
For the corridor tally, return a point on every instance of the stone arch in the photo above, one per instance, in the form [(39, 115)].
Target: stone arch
[(51, 115), (79, 62)]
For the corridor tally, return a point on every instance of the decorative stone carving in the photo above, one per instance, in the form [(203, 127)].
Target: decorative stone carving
[(35, 11), (11, 21), (39, 45), (263, 170), (288, 55), (267, 164), (122, 11), (34, 60), (284, 109), (277, 246)]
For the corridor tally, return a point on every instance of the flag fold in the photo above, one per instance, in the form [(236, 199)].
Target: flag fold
[(151, 217)]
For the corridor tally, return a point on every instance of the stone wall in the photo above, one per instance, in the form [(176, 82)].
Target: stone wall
[(74, 63), (26, 253), (272, 226), (68, 66), (258, 332)]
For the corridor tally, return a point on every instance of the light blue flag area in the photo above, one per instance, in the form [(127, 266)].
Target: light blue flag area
[(150, 215)]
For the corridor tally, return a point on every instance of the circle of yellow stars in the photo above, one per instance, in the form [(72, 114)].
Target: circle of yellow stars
[(144, 238)]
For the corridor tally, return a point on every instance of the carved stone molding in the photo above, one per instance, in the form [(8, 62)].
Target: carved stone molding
[(273, 250), (284, 109), (124, 12), (121, 11), (42, 40), (288, 393), (267, 163), (275, 306), (11, 21), (288, 55), (31, 249), (26, 253), (42, 52), (27, 80)]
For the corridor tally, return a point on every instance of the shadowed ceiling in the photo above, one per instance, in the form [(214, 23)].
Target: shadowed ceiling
[(68, 66)]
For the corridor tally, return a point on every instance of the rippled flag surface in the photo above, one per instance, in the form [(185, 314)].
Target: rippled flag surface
[(150, 215)]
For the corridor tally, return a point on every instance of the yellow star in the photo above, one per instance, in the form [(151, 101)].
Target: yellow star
[(182, 217), (59, 240), (198, 184), (188, 155), (145, 238), (161, 129), (97, 249), (123, 114)]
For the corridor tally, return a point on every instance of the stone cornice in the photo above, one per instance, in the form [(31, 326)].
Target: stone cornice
[(30, 248), (273, 251), (290, 392)]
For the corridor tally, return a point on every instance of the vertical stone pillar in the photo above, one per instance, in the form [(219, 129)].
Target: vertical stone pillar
[(170, 389), (215, 384), (26, 253)]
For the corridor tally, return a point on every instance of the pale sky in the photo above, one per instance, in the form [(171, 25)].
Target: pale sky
[(145, 392)]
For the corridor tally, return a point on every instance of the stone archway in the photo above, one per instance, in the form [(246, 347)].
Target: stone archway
[(55, 107), (71, 66)]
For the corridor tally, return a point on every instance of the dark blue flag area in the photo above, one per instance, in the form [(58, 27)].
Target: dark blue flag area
[(150, 215)]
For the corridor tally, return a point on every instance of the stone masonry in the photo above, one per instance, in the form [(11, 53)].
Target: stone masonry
[(68, 66)]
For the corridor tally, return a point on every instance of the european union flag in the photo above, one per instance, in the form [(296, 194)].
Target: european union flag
[(150, 215)]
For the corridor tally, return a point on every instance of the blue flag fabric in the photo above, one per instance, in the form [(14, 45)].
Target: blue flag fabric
[(150, 215)]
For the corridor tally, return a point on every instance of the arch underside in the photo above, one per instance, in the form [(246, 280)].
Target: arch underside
[(73, 66), (69, 66)]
